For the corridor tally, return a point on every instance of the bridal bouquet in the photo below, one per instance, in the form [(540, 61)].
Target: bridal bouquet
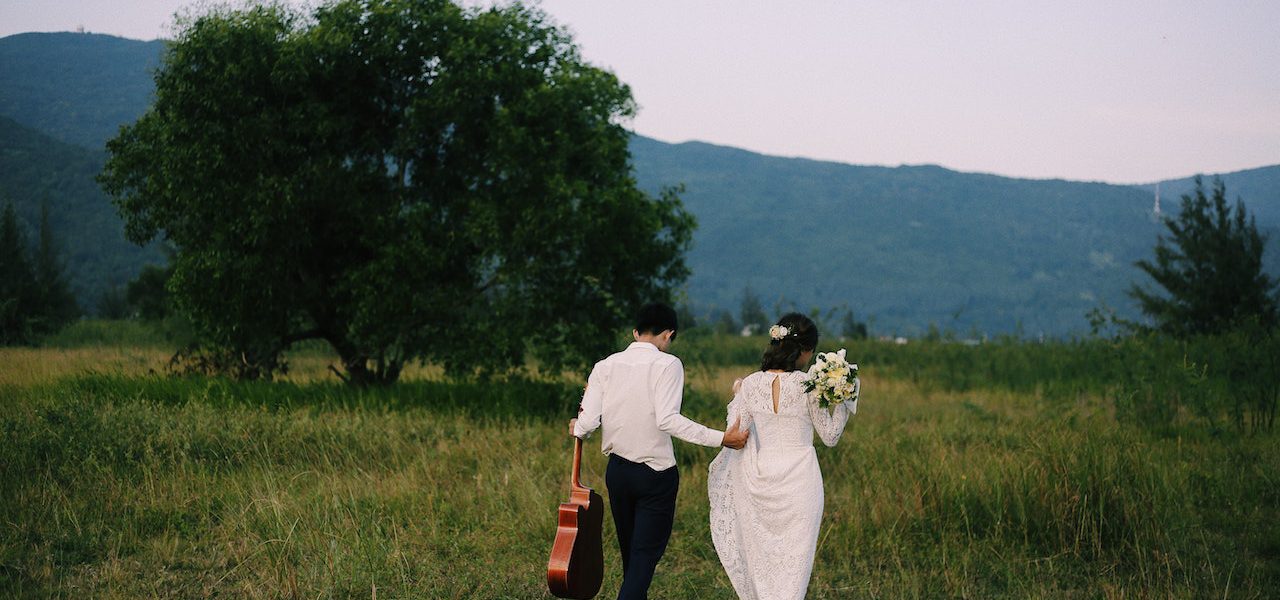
[(834, 378)]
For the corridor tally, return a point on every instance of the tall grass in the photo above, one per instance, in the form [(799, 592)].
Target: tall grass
[(130, 485), (103, 332), (1217, 382)]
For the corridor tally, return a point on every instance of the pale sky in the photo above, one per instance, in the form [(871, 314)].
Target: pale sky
[(1124, 92)]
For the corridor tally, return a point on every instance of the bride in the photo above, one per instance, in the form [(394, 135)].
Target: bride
[(766, 499)]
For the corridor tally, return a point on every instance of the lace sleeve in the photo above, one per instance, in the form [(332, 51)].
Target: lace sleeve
[(830, 422), (738, 408)]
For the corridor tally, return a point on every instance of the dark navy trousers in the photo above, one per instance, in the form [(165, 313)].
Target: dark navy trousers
[(643, 502)]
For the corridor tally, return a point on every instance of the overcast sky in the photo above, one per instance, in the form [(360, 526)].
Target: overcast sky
[(1124, 92)]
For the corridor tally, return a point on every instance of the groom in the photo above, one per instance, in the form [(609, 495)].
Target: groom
[(634, 397)]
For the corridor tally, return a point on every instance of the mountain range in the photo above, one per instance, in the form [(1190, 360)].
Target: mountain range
[(902, 247)]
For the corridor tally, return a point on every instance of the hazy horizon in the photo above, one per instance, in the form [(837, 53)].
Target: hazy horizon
[(1128, 94)]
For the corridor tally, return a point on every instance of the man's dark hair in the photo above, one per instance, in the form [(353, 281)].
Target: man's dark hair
[(656, 317)]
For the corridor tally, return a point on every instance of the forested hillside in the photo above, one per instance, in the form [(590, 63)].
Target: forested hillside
[(903, 247), (76, 87), (908, 246), (35, 168)]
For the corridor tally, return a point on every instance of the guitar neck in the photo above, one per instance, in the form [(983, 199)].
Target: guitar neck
[(574, 479)]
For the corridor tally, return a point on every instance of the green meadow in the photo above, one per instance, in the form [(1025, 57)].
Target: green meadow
[(1091, 469)]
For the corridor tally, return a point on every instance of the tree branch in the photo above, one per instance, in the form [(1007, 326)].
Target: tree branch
[(339, 374)]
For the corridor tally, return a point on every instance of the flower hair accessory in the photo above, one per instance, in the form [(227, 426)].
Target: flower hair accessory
[(778, 332)]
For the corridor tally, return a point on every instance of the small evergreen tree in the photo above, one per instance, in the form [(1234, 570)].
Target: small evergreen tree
[(724, 323), (55, 306), (113, 304), (852, 328), (752, 312), (147, 294), (34, 296), (18, 291), (1210, 268), (686, 319)]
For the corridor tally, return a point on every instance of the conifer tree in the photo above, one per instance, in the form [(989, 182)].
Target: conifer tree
[(752, 312), (851, 327), (1210, 269), (17, 282), (55, 304)]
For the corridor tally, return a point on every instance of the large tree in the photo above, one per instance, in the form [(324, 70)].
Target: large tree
[(1210, 269), (402, 178)]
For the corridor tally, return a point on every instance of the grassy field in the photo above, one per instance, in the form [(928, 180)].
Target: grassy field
[(116, 482)]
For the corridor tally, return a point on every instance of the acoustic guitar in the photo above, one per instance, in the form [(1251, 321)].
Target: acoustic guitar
[(576, 568)]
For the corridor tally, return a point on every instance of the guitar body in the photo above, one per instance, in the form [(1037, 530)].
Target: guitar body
[(576, 568)]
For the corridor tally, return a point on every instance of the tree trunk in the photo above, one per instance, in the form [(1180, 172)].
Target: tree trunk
[(360, 373), (361, 369)]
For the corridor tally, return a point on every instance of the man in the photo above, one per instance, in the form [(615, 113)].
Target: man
[(634, 396)]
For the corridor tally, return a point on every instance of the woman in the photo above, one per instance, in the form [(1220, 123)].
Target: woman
[(766, 499)]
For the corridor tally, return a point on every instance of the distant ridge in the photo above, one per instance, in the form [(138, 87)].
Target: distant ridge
[(76, 87), (906, 246), (35, 167), (1259, 188)]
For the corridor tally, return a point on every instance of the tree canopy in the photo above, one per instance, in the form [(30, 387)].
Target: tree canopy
[(404, 179), (1210, 269)]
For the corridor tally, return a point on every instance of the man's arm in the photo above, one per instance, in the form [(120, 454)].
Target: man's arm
[(670, 393), (592, 406)]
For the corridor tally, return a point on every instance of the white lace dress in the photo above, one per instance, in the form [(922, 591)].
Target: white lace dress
[(766, 499)]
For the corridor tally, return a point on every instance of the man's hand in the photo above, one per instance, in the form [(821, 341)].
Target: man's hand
[(737, 386), (573, 423), (735, 438)]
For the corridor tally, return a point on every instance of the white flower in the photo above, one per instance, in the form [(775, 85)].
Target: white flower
[(778, 332)]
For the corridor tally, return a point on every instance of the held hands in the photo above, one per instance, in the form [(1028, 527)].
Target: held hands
[(735, 437)]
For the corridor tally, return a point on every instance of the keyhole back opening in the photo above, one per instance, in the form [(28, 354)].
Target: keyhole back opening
[(776, 388)]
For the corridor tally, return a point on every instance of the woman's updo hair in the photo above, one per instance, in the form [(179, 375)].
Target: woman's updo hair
[(802, 336)]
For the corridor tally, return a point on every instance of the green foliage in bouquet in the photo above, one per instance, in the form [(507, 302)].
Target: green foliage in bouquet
[(833, 378)]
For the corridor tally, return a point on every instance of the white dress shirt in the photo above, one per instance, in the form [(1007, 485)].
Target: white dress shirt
[(634, 397)]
